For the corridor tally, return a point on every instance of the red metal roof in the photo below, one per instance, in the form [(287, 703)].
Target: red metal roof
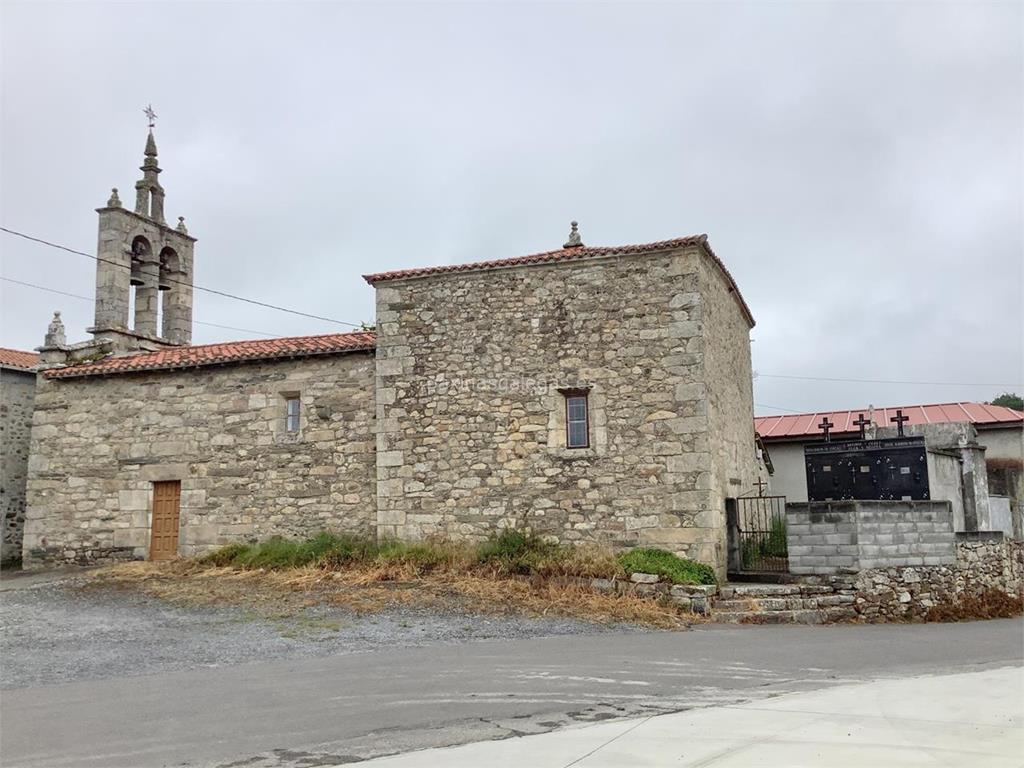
[(217, 354), (571, 254), (806, 424), (15, 358)]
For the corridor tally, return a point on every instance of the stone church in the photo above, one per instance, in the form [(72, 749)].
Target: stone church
[(587, 393)]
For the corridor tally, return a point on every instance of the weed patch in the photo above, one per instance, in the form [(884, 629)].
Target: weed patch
[(672, 567), (510, 573)]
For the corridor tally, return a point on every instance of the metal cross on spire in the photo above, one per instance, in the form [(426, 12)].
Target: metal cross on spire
[(150, 114)]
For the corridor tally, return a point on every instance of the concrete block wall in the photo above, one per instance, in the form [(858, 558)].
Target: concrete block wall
[(852, 536)]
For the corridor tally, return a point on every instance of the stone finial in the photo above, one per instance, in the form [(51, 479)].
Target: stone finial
[(181, 225), (55, 335), (574, 240), (149, 161), (114, 201)]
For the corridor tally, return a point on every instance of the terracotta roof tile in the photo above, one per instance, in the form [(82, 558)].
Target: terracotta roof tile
[(218, 354), (570, 254), (800, 425), (15, 358)]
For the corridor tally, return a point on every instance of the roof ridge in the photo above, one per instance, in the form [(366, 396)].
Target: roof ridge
[(574, 253), (256, 341), (173, 358)]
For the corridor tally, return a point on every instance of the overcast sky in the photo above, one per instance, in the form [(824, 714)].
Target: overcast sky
[(857, 166)]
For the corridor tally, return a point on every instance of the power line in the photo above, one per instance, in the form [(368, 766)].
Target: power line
[(181, 282), (87, 298), (776, 408), (881, 381)]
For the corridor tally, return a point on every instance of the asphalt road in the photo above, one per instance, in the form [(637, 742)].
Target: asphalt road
[(338, 709)]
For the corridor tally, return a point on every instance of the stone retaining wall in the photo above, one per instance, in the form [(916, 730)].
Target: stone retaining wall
[(983, 563)]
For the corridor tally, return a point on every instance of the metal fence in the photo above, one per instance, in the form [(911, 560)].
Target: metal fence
[(761, 530)]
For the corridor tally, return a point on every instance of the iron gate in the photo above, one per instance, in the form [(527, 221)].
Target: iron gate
[(761, 533)]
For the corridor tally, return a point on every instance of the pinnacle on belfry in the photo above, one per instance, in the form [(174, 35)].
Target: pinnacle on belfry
[(574, 240)]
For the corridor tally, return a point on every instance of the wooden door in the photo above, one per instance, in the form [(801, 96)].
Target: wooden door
[(163, 543)]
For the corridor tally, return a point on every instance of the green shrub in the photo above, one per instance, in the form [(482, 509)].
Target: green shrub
[(775, 544), (672, 567)]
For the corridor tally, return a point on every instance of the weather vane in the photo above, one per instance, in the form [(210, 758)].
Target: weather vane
[(148, 112)]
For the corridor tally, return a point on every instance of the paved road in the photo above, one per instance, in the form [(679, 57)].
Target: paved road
[(896, 723), (338, 709)]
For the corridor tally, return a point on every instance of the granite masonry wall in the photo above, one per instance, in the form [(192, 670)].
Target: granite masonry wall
[(729, 397), (984, 562), (471, 422), (17, 393), (852, 536), (98, 444)]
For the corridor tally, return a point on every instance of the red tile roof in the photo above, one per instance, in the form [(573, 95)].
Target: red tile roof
[(218, 354), (15, 358), (806, 424), (571, 254)]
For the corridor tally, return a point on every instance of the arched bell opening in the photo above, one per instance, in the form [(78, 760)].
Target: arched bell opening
[(141, 249)]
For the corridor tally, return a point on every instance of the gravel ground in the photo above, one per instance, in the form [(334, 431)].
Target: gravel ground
[(55, 632)]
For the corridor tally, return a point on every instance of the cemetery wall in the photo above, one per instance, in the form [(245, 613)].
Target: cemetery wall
[(984, 562), (851, 536)]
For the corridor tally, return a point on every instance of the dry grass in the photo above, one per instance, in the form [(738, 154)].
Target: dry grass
[(377, 586), (991, 604)]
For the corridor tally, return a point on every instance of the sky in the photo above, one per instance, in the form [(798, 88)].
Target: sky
[(857, 166)]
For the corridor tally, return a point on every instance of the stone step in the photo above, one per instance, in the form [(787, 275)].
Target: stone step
[(759, 590), (770, 617), (800, 616), (794, 603)]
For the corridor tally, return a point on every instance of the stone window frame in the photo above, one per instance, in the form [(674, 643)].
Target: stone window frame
[(571, 394), (555, 402), (280, 423), (292, 415)]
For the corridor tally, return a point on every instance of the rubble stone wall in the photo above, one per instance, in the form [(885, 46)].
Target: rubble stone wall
[(99, 443), (983, 563), (472, 423), (17, 393)]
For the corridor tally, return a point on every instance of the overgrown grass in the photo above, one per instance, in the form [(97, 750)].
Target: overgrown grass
[(510, 553), (667, 565), (513, 571)]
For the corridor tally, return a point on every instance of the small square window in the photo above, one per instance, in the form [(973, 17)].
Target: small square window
[(291, 414), (577, 420)]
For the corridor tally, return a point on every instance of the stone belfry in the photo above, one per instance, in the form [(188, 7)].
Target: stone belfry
[(140, 254)]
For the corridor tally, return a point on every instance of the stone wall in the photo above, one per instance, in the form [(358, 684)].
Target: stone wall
[(98, 444), (853, 536), (728, 390), (983, 562), (471, 423), (17, 393)]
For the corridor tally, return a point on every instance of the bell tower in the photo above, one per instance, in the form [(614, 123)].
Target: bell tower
[(140, 257)]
